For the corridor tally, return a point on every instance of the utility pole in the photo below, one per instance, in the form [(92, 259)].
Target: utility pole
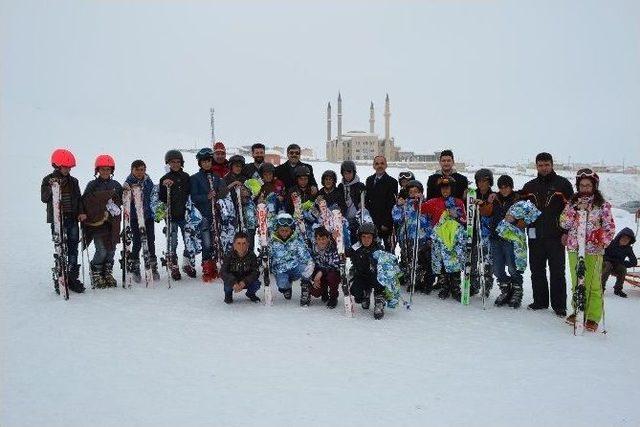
[(213, 128)]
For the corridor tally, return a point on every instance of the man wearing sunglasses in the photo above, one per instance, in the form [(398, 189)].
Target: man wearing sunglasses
[(286, 171), (447, 169), (380, 199)]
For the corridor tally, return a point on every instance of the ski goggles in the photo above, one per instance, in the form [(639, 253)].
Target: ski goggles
[(586, 173), (405, 175), (285, 222)]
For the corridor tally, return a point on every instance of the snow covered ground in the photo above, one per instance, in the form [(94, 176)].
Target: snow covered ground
[(181, 356)]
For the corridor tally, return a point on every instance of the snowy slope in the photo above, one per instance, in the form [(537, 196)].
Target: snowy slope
[(181, 356)]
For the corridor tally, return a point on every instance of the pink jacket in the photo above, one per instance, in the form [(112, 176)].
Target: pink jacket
[(600, 226)]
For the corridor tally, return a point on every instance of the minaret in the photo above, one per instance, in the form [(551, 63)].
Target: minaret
[(339, 117), (213, 127), (329, 122), (387, 115), (372, 119)]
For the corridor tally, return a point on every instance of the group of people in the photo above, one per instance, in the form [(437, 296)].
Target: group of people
[(438, 234)]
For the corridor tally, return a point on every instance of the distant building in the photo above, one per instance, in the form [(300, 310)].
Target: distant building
[(272, 156)]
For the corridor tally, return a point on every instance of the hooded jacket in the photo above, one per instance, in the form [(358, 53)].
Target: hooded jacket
[(617, 254)]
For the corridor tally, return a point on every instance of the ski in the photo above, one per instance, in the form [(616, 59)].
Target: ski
[(239, 209), (60, 276), (297, 214), (471, 217), (414, 253), (480, 261), (349, 303), (136, 191), (127, 236), (167, 260), (215, 228), (325, 215), (579, 294), (263, 230)]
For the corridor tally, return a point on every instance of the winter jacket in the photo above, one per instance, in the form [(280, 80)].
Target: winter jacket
[(220, 169), (550, 194), (449, 236), (351, 191), (231, 177), (99, 222), (334, 198), (327, 259), (600, 225), (250, 170), (180, 191), (380, 199), (305, 196), (462, 183), (285, 255), (618, 254), (199, 189), (364, 265), (236, 268), (434, 208), (286, 173), (499, 210), (147, 188), (404, 218), (69, 187)]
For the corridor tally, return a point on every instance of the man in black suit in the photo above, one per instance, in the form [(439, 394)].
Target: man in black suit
[(286, 171), (380, 198), (447, 169)]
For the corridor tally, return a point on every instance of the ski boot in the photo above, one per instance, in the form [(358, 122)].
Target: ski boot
[(75, 284), (332, 302), (516, 296), (188, 268), (378, 306), (228, 297), (287, 293), (325, 296), (366, 301), (154, 269), (591, 326), (209, 271), (618, 291), (443, 285), (107, 275), (505, 294), (454, 284), (175, 268), (97, 282), (305, 293), (134, 268), (253, 297)]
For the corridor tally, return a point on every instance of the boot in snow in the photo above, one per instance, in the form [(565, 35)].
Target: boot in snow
[(175, 269), (209, 271), (188, 268), (443, 285), (287, 293), (97, 282), (505, 293), (75, 284), (516, 296), (305, 293), (378, 307), (620, 293), (253, 297), (591, 326), (454, 283), (332, 303), (366, 302), (228, 297), (107, 275), (134, 268), (154, 269)]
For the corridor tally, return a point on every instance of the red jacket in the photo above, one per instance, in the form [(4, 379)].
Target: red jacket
[(434, 208), (220, 169)]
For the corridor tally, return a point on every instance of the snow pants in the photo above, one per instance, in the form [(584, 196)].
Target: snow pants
[(552, 251), (328, 284), (283, 280), (251, 288), (592, 283), (362, 286), (618, 270), (504, 257)]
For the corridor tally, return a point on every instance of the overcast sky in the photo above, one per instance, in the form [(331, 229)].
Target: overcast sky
[(494, 80)]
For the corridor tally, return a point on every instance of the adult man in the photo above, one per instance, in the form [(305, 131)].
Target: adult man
[(251, 169), (447, 169), (286, 171), (220, 164), (380, 198), (550, 193)]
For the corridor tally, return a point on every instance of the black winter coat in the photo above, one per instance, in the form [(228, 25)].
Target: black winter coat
[(71, 185), (335, 197), (363, 264), (285, 173), (380, 199), (462, 183), (180, 191), (550, 194), (622, 254), (236, 268)]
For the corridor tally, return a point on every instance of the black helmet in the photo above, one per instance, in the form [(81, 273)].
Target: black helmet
[(367, 228), (302, 171), (204, 153), (415, 183), (406, 175), (236, 159), (444, 181), (172, 155), (347, 165), (482, 174), (266, 167), (505, 180), (327, 174)]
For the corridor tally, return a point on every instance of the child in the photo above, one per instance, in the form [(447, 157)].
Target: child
[(617, 258), (307, 198), (240, 270), (330, 193), (177, 182), (138, 176), (484, 198), (202, 194), (72, 211), (364, 271), (352, 188), (249, 215), (599, 233), (447, 253), (405, 216), (101, 200), (403, 180), (326, 275), (290, 259)]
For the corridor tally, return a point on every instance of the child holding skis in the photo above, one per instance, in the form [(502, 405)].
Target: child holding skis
[(617, 258), (300, 201), (240, 270), (364, 278), (482, 267), (138, 176), (600, 229), (448, 245), (290, 259), (72, 211), (176, 183), (352, 189), (326, 274), (101, 200), (333, 196)]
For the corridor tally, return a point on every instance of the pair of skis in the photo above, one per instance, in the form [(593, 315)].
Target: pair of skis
[(414, 253), (134, 192), (471, 218), (263, 231), (215, 227), (60, 266)]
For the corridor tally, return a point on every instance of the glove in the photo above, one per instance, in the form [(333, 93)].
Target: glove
[(112, 208)]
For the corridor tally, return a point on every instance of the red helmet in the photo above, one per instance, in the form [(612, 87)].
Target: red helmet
[(62, 158), (589, 174), (105, 161)]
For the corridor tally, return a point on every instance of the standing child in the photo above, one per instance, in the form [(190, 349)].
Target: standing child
[(290, 259), (138, 176), (352, 189), (333, 195), (484, 198), (101, 200), (600, 229), (307, 195), (177, 182), (240, 270), (326, 275), (364, 271), (617, 258), (447, 253), (72, 211)]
